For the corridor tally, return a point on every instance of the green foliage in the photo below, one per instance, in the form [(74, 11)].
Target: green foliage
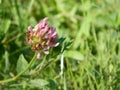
[(21, 64), (90, 44), (40, 83), (74, 54)]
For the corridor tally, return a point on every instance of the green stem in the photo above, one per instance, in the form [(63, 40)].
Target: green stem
[(17, 76), (42, 67)]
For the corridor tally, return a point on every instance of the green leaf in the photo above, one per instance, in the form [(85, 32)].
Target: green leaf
[(52, 84), (74, 54), (39, 83), (66, 45), (21, 64), (5, 25)]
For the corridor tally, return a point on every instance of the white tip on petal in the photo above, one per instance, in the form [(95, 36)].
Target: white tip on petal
[(56, 44), (45, 19), (29, 28), (46, 52), (38, 56), (36, 28)]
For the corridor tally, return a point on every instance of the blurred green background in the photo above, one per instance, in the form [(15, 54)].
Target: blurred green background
[(93, 60)]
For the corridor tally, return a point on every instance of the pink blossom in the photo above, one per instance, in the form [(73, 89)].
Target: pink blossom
[(42, 37)]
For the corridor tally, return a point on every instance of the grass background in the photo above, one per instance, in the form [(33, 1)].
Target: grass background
[(92, 62)]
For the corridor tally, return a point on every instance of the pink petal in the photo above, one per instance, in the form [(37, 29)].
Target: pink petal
[(54, 35), (42, 23)]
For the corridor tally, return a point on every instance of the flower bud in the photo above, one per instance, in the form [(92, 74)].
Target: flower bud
[(42, 37)]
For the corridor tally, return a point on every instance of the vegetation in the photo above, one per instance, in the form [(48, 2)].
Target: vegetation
[(88, 57)]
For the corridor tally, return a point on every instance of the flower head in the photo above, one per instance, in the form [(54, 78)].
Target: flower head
[(42, 37)]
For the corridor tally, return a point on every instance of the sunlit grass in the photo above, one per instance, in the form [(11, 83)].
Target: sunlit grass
[(91, 29)]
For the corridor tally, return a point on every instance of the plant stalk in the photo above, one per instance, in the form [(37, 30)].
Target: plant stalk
[(22, 72)]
